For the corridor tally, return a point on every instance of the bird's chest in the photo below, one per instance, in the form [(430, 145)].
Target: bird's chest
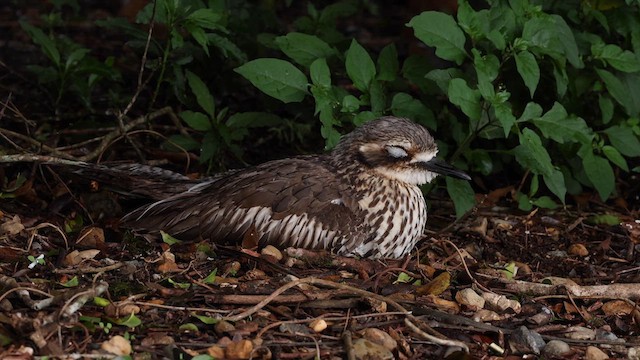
[(396, 214)]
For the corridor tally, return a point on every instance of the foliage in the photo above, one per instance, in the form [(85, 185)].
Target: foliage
[(525, 78), (539, 93)]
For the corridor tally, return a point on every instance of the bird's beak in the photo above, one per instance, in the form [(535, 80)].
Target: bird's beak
[(440, 167)]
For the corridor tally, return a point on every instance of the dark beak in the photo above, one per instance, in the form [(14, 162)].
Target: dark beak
[(440, 167)]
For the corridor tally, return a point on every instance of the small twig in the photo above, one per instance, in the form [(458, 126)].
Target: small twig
[(348, 345), (89, 270)]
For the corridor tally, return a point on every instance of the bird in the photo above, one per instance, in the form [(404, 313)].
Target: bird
[(362, 199)]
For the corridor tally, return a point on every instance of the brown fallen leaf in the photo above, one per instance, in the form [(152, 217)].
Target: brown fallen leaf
[(12, 226), (76, 257), (91, 237), (117, 345), (239, 350), (436, 286)]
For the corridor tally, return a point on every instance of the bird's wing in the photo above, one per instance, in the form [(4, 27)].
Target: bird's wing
[(293, 202)]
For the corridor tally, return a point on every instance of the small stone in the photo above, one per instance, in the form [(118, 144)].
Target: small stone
[(318, 325), (470, 298), (117, 345), (556, 348), (270, 250), (578, 250), (380, 337), (525, 341), (593, 353), (365, 349), (579, 333)]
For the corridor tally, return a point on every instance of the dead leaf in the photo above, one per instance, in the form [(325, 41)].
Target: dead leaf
[(617, 308), (91, 237), (117, 345), (239, 350), (578, 250), (436, 286), (168, 263), (76, 257), (12, 226)]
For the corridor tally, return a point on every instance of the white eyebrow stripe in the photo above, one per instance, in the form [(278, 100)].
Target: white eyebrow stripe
[(424, 156), (396, 152)]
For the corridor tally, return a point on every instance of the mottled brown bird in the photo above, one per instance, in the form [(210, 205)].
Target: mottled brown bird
[(362, 199)]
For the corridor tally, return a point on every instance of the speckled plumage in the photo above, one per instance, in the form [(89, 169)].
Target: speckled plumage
[(362, 199)]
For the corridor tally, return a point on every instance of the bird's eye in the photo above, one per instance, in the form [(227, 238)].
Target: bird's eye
[(397, 152)]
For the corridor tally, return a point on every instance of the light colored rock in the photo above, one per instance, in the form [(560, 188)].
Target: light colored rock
[(593, 353), (470, 298)]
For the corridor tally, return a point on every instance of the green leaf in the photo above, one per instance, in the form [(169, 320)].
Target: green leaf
[(168, 239), (460, 191), (210, 146), (377, 97), (532, 155), (606, 108), (100, 301), (624, 140), (360, 67), (350, 104), (528, 69), (254, 119), (211, 278), (403, 278), (615, 157), (524, 203), (550, 35), (178, 285), (621, 89), (131, 321), (440, 30), (196, 120), (276, 78), (190, 327), (467, 99), (487, 68), (600, 173), (623, 60), (46, 43), (442, 77), (73, 282), (206, 319), (203, 96), (75, 57), (205, 18), (555, 182), (388, 64), (557, 125), (561, 77), (532, 110), (320, 74), (545, 202), (363, 117), (604, 219), (404, 105), (504, 113), (303, 48)]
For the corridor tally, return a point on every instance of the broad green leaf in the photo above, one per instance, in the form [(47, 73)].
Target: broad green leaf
[(624, 140), (615, 157), (76, 56), (442, 77), (528, 69), (532, 155), (524, 203), (181, 143), (203, 96), (253, 119), (388, 64), (550, 34), (46, 43), (474, 23), (210, 146), (303, 48), (350, 104), (604, 219), (440, 30), (360, 67), (504, 114), (404, 105), (623, 60), (198, 34), (561, 78), (178, 285), (556, 124), (606, 108), (363, 117), (555, 183), (462, 195), (196, 120), (226, 47), (600, 173), (377, 97), (205, 18), (487, 68), (276, 78), (320, 74), (532, 110), (100, 301), (545, 202), (467, 99), (622, 90)]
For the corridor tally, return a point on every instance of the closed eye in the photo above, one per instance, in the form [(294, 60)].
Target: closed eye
[(396, 152)]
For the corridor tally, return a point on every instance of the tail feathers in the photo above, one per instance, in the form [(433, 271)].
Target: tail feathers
[(136, 179)]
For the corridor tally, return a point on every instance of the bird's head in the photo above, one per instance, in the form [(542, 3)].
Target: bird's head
[(395, 148)]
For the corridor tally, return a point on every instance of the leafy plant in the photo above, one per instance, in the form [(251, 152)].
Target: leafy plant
[(522, 82)]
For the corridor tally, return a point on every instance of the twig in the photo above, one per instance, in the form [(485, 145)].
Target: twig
[(348, 345)]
